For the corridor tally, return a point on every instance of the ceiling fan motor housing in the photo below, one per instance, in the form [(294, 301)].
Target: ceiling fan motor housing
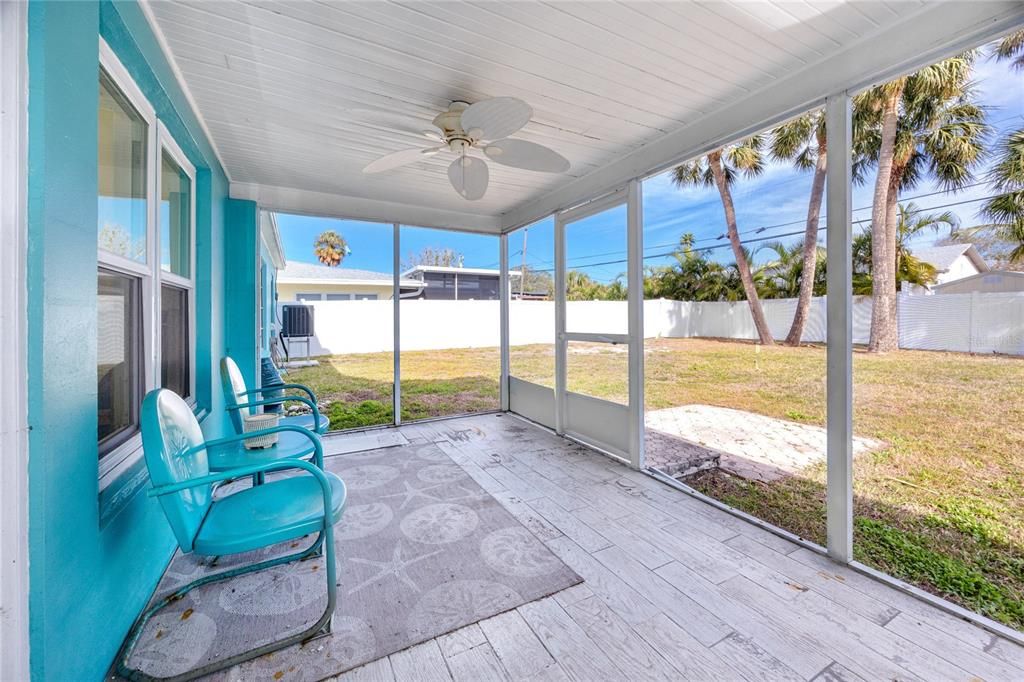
[(450, 124)]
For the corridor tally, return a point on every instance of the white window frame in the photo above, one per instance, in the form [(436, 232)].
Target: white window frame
[(127, 453), (166, 143), (151, 274)]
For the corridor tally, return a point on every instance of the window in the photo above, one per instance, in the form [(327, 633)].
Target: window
[(119, 357), (339, 297), (145, 269), (366, 297), (176, 282), (175, 355), (124, 279), (175, 217), (309, 297), (123, 141)]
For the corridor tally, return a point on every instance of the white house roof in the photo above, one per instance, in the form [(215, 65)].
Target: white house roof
[(462, 271), (942, 257), (1006, 274), (305, 273), (299, 96)]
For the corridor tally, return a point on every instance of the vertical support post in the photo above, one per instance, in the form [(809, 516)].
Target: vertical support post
[(839, 316), (561, 347), (396, 311), (635, 305), (505, 290), (14, 394)]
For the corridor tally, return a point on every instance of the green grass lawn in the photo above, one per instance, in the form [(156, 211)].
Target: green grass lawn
[(940, 507)]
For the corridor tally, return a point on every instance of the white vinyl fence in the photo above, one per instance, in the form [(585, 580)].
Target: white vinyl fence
[(976, 323)]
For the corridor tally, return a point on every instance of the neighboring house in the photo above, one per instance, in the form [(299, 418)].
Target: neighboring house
[(315, 282), (953, 261), (272, 261), (444, 283), (991, 282)]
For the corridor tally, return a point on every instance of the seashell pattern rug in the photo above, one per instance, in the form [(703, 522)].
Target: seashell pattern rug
[(422, 550)]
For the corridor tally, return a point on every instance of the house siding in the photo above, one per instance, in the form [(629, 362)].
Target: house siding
[(958, 269), (288, 291), (91, 573), (992, 282)]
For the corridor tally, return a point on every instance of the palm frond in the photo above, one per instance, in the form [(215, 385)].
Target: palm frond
[(1012, 48)]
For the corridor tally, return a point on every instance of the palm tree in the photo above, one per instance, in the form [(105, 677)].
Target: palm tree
[(803, 141), (1006, 210), (911, 221), (330, 248), (920, 124), (720, 168), (783, 275)]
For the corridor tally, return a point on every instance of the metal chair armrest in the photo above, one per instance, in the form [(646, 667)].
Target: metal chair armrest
[(249, 470), (280, 387), (283, 399)]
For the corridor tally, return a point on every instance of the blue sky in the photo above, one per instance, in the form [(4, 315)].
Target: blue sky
[(776, 201)]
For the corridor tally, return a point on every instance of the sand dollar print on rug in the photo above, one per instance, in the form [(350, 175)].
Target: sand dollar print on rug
[(175, 643), (441, 473), (450, 604), (363, 520), (440, 523), (515, 551), (370, 476)]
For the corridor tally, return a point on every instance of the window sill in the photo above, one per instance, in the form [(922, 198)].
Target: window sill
[(119, 485)]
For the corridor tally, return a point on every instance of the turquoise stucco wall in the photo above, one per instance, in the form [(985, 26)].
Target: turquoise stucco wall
[(90, 573), (241, 219)]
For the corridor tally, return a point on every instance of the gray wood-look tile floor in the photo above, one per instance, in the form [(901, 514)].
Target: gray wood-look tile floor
[(674, 588)]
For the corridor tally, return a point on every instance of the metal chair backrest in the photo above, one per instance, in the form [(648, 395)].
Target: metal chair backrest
[(173, 445), (234, 391)]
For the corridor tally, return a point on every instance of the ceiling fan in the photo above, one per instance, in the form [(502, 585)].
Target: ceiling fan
[(483, 126)]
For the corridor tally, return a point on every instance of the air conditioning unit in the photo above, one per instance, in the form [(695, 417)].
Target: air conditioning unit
[(297, 321)]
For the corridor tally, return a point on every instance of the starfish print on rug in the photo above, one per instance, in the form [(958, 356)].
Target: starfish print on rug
[(470, 495), (412, 493), (395, 567)]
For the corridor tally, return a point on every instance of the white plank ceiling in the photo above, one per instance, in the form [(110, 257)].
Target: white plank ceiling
[(302, 95)]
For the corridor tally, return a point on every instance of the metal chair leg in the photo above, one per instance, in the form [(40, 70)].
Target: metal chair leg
[(320, 628)]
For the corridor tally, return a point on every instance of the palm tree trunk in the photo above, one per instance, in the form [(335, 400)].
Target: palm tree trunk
[(883, 268), (891, 229), (810, 262), (760, 324)]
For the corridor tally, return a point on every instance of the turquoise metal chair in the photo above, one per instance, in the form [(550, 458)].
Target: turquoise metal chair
[(235, 391), (280, 510)]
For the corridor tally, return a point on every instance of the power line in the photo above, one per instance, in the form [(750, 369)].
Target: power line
[(766, 237), (757, 239)]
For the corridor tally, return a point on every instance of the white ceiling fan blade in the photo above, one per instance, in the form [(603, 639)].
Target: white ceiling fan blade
[(469, 177), (496, 118), (527, 155), (433, 135), (396, 159)]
